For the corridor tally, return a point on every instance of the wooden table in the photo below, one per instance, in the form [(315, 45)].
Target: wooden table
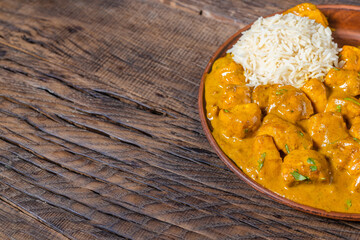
[(99, 129)]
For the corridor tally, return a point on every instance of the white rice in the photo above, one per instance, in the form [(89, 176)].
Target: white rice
[(285, 49)]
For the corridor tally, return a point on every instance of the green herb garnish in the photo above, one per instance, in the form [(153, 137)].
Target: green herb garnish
[(336, 69), (311, 161), (313, 168), (261, 164), (261, 160), (356, 139), (298, 176), (301, 134), (225, 110), (287, 148), (348, 204), (338, 108), (352, 100), (280, 91), (246, 130)]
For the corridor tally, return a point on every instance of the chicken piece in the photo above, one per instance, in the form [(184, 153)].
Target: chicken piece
[(344, 81), (356, 184), (225, 98), (309, 10), (267, 157), (261, 94), (355, 127), (354, 170), (305, 166), (287, 136), (240, 121), (212, 111), (325, 128), (315, 90), (342, 153), (351, 56), (349, 107), (233, 95), (290, 104), (225, 71)]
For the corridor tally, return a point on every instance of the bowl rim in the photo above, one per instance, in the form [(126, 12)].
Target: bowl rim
[(231, 165)]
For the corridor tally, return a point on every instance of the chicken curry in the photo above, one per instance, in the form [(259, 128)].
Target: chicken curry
[(303, 144)]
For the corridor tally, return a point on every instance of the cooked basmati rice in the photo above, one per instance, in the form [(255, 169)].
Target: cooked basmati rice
[(285, 49)]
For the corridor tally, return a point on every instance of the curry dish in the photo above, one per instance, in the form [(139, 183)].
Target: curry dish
[(300, 143)]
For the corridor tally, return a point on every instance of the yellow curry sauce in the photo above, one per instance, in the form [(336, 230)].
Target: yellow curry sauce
[(300, 143)]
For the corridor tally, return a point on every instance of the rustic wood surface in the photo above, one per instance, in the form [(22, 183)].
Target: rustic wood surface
[(99, 130)]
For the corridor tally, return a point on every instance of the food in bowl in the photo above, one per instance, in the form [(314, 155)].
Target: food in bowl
[(285, 109)]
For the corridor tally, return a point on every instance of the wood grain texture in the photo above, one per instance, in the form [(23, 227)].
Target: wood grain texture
[(243, 12), (99, 130)]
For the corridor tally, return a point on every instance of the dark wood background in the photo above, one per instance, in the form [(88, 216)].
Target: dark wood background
[(100, 136)]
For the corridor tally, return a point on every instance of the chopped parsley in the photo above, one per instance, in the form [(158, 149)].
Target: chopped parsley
[(261, 164), (352, 100), (225, 110), (261, 160), (311, 161), (281, 91), (301, 134), (348, 204), (356, 139), (313, 168), (338, 108), (336, 69), (287, 148), (246, 130), (298, 176)]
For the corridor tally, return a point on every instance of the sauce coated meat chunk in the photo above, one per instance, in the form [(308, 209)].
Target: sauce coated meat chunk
[(233, 95), (240, 121), (225, 98), (261, 94), (290, 104), (345, 156), (343, 152), (349, 107), (309, 10), (225, 87), (315, 90), (287, 136), (345, 81), (325, 128), (355, 127), (225, 71), (351, 56), (305, 166), (267, 156)]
